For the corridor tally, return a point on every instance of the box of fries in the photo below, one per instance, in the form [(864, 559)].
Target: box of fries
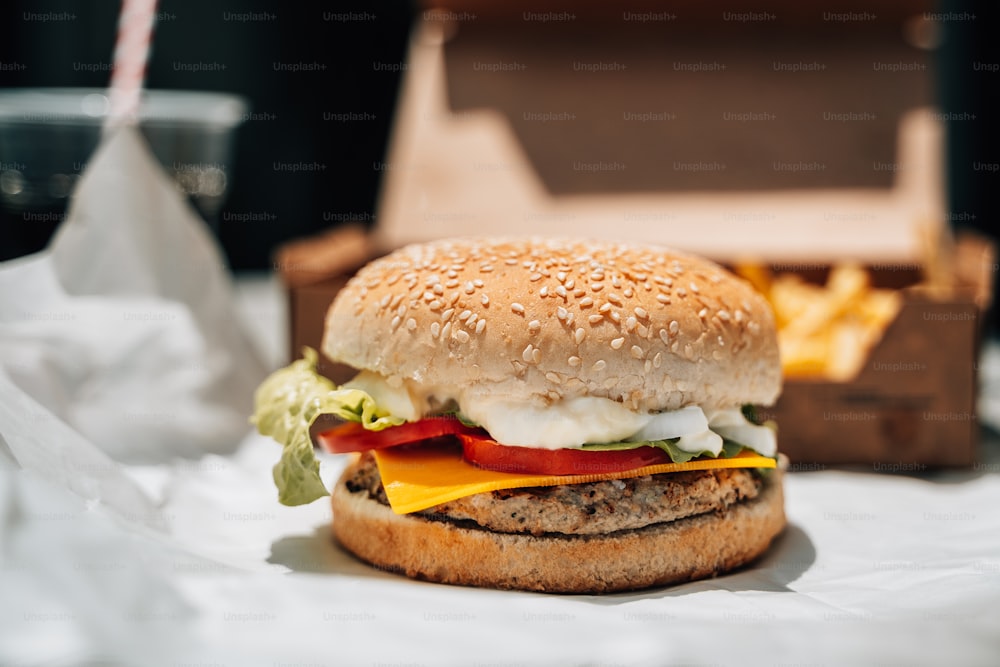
[(845, 222), (880, 361)]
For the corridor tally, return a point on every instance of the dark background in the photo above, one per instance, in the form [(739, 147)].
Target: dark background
[(288, 124)]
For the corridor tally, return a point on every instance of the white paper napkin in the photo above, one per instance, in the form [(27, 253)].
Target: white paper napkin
[(125, 327)]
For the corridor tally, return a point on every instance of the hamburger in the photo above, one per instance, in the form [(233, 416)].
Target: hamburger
[(540, 414)]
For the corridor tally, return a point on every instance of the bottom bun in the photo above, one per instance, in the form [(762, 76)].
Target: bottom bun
[(464, 553)]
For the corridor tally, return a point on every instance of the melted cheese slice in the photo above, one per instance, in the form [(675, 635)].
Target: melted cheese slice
[(415, 479)]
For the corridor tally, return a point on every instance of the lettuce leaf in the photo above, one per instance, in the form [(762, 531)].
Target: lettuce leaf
[(677, 455), (285, 406)]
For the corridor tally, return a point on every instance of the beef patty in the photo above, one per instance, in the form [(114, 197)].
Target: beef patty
[(596, 508)]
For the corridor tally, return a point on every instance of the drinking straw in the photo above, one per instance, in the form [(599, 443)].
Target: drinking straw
[(135, 29)]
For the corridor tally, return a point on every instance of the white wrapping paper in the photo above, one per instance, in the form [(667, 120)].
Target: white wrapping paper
[(125, 326), (119, 547)]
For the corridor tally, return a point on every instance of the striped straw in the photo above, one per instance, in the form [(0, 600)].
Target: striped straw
[(135, 29)]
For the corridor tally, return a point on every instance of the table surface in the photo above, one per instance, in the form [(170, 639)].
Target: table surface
[(872, 569)]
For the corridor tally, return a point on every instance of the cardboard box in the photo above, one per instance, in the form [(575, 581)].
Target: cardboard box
[(460, 169)]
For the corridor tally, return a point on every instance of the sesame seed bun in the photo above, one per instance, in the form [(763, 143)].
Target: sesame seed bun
[(540, 320), (463, 553)]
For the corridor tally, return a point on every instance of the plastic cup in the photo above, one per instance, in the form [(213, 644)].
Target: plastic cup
[(48, 134)]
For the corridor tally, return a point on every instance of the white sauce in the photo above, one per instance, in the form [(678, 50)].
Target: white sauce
[(577, 421)]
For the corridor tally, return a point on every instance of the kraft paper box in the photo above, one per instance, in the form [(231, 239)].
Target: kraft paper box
[(481, 145)]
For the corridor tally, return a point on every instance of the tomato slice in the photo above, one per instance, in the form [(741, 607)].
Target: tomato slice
[(353, 437), (486, 453)]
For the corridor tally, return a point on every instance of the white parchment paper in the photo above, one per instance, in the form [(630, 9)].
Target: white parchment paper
[(139, 526)]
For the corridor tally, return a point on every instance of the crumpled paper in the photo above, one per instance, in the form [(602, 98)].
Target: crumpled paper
[(125, 328)]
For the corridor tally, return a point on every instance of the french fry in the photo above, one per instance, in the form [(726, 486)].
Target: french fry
[(825, 330)]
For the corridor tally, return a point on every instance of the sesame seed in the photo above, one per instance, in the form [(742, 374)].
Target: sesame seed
[(480, 325), (615, 299), (703, 313), (438, 289), (510, 262), (396, 300), (681, 292), (664, 336), (597, 287), (472, 320), (615, 282), (598, 365), (630, 324), (562, 313), (544, 292), (586, 302), (395, 321), (637, 352), (643, 331), (578, 293), (451, 283), (446, 315), (604, 308), (433, 279), (435, 329), (657, 360), (401, 310), (486, 268), (517, 308), (561, 276), (570, 284), (485, 300), (435, 304), (615, 317), (464, 315), (693, 286), (674, 327), (663, 298), (616, 344), (477, 282), (722, 341), (534, 326), (595, 318), (462, 336), (526, 354), (561, 291), (579, 335), (552, 377), (640, 312), (689, 351), (574, 361), (445, 330), (597, 275), (536, 355), (628, 292), (469, 288), (738, 315), (534, 277), (384, 301), (723, 315)]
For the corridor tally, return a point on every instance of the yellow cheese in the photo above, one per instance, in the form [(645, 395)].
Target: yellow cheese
[(418, 478)]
